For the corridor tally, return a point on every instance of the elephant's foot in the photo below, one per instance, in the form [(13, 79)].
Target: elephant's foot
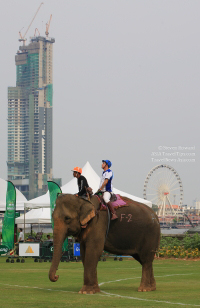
[(89, 289), (143, 288), (153, 286)]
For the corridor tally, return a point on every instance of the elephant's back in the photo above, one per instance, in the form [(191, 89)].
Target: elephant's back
[(136, 224), (137, 206), (135, 216), (133, 202)]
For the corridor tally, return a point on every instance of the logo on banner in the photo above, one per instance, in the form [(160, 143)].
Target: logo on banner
[(53, 208), (3, 249), (11, 206), (29, 250)]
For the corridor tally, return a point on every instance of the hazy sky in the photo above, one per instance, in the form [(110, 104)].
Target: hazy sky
[(126, 81)]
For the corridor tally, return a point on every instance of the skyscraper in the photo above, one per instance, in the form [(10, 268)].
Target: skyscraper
[(30, 106)]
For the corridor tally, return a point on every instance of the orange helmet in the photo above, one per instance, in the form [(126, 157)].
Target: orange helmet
[(77, 169)]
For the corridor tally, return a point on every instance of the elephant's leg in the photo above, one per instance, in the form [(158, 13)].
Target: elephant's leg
[(148, 282), (92, 255), (153, 281)]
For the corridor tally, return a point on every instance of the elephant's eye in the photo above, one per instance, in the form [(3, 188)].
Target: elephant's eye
[(67, 218)]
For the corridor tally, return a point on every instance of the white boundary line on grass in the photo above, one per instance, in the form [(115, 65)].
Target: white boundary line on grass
[(148, 300), (15, 285), (144, 299), (100, 284), (110, 294), (155, 267)]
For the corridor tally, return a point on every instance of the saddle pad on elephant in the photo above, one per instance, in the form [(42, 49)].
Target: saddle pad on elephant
[(118, 203)]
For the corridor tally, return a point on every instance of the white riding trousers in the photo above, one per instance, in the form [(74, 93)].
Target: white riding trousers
[(106, 196)]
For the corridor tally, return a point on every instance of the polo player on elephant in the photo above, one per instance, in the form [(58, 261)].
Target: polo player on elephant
[(106, 186)]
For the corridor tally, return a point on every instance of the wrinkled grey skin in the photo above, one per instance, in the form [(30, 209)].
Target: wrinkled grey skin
[(136, 232)]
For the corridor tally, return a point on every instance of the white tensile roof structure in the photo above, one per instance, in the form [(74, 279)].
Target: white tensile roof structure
[(20, 198), (35, 216), (40, 213), (72, 188)]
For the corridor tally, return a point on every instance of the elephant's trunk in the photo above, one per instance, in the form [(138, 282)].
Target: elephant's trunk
[(59, 235)]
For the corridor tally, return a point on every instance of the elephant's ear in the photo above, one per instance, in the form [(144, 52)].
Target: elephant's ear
[(87, 212)]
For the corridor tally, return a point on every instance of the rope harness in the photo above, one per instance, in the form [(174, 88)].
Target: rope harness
[(100, 202)]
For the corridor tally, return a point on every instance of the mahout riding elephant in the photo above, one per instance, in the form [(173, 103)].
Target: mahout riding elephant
[(136, 232)]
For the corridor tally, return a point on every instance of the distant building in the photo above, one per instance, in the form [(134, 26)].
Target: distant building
[(172, 209), (197, 205), (30, 106)]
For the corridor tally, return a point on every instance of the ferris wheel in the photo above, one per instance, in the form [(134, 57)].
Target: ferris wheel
[(163, 187)]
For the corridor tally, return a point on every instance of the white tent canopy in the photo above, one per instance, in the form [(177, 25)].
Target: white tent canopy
[(35, 216), (20, 198), (72, 188), (42, 201)]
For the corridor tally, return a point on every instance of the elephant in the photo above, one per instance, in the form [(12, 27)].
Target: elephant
[(136, 232)]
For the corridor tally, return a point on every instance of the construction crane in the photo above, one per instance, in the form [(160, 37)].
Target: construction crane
[(20, 33), (22, 38), (189, 220), (36, 31), (47, 26)]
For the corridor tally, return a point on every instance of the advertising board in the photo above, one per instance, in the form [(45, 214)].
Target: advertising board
[(29, 249), (77, 249)]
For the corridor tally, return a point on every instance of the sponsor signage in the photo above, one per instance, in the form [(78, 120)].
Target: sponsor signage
[(77, 250), (29, 249), (17, 214), (9, 217), (3, 249), (54, 191)]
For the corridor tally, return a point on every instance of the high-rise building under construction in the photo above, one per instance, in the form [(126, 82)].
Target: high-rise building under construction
[(30, 118)]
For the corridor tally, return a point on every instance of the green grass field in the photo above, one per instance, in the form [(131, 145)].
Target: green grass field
[(27, 284)]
